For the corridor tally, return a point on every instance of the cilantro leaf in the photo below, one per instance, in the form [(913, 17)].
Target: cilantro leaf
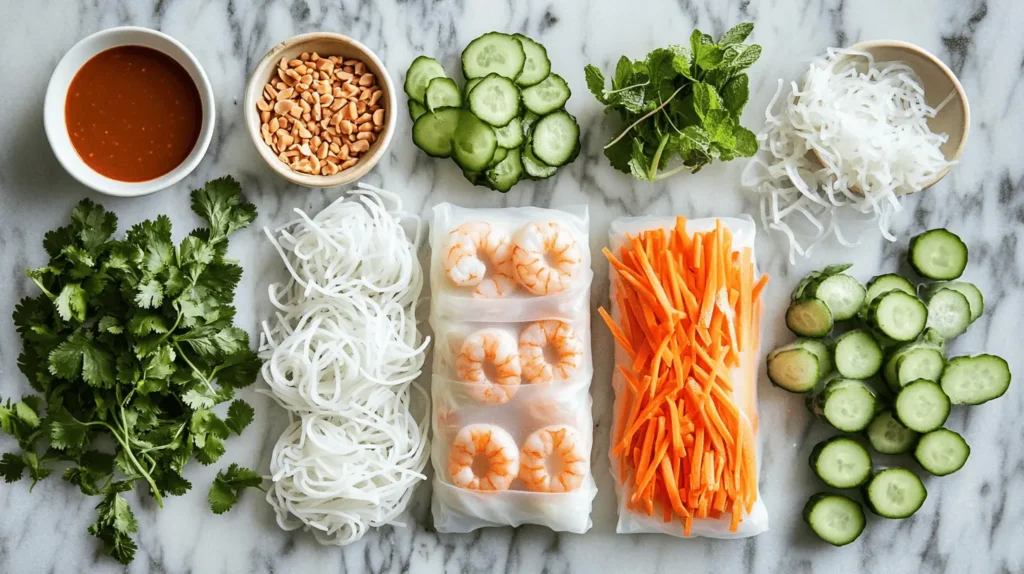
[(114, 525), (240, 415), (92, 224), (70, 303), (229, 484), (11, 467), (150, 294), (80, 356), (67, 432), (220, 202)]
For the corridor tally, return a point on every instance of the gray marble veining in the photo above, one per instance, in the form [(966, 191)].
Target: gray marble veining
[(971, 521)]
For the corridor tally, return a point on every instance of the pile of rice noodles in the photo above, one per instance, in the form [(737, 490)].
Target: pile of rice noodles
[(342, 356), (868, 122)]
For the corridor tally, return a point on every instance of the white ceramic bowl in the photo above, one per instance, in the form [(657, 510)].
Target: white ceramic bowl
[(56, 93)]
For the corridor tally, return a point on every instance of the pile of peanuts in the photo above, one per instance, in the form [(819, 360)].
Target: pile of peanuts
[(321, 113)]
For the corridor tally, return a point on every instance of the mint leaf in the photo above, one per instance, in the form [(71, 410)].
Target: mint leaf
[(705, 99), (619, 155), (220, 202), (745, 58), (639, 163), (735, 95), (595, 81), (240, 415), (228, 486), (624, 73), (11, 467), (80, 356), (70, 303), (746, 142), (737, 33)]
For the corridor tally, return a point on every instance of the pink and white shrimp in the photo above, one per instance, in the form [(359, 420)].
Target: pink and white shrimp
[(546, 257), (553, 460), (483, 457), (566, 351), (477, 255), (489, 361)]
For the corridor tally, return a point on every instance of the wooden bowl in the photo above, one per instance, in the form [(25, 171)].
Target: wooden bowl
[(938, 81), (325, 44)]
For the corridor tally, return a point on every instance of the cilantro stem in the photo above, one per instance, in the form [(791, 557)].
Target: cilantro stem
[(645, 116), (652, 174), (195, 370)]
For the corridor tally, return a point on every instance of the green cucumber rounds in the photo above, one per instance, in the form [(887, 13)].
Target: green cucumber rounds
[(508, 121), (872, 361)]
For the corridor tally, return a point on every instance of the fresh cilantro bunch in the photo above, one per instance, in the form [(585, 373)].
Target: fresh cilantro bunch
[(680, 101), (131, 344)]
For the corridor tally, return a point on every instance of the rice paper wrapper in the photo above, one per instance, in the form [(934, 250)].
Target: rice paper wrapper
[(744, 380)]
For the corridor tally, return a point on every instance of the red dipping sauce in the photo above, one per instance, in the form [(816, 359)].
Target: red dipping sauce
[(133, 113)]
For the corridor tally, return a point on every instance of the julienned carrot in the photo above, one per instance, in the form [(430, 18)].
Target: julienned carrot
[(689, 310)]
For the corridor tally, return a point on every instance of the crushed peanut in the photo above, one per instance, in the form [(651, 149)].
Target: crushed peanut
[(320, 114)]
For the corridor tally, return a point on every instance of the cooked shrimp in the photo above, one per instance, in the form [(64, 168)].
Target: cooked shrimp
[(546, 257), (479, 256), (561, 339), (483, 457), (553, 460), (489, 359)]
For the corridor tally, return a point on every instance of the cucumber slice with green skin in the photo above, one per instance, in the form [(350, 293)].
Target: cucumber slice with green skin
[(547, 96), (888, 282), (794, 369), (922, 406), (474, 177), (528, 119), (433, 131), (888, 435), (470, 84), (843, 294), (834, 518), (890, 372), (473, 143), (895, 493), (809, 318), (841, 462), (535, 168), (919, 363), (537, 65), (495, 100), (555, 137), (801, 288), (938, 254), (507, 173), (821, 350), (968, 290), (857, 355), (442, 93), (416, 109), (847, 404), (975, 380), (898, 315), (511, 135), (500, 154), (422, 70), (949, 313), (493, 53), (942, 452)]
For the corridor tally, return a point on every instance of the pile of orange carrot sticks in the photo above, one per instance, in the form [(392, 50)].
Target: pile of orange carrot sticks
[(689, 310)]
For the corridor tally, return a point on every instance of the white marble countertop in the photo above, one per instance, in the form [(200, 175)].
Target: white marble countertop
[(971, 520)]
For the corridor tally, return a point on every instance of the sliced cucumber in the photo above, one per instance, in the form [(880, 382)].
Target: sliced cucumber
[(898, 315), (422, 70), (921, 366), (528, 119), (470, 84), (938, 254), (857, 355), (473, 143), (919, 363), (809, 318), (814, 276), (537, 65), (547, 96), (510, 135), (504, 175), (794, 369), (834, 518), (968, 290), (847, 404), (888, 435), (442, 93), (416, 109), (821, 350), (433, 131), (949, 313), (895, 493), (975, 380), (843, 294), (922, 406), (493, 53), (555, 137), (942, 452), (888, 282), (535, 168), (500, 154), (495, 100), (841, 462)]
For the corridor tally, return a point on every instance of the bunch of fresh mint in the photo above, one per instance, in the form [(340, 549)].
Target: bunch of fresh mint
[(680, 101), (132, 340)]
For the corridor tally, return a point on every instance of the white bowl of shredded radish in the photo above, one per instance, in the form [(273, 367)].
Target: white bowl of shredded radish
[(865, 127)]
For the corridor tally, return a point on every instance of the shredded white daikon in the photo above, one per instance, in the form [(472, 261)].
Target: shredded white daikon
[(342, 355), (868, 122)]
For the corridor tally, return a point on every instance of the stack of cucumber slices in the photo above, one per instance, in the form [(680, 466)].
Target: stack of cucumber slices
[(887, 377), (508, 121)]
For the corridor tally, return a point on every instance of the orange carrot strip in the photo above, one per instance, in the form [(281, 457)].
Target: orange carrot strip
[(617, 333)]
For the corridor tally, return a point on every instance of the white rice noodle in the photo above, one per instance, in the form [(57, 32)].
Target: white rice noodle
[(341, 356), (868, 124)]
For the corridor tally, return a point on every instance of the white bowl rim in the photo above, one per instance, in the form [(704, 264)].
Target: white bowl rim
[(56, 93)]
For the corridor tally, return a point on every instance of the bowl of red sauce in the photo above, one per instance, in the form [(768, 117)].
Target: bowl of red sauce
[(129, 111)]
